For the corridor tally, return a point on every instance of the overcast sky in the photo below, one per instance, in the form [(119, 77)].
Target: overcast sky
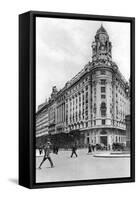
[(63, 47)]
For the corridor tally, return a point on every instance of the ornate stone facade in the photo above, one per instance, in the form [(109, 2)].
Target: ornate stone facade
[(95, 101)]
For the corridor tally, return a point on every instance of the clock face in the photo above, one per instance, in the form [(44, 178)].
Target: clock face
[(102, 38)]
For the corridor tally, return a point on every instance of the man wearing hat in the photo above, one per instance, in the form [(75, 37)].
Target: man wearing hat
[(47, 152)]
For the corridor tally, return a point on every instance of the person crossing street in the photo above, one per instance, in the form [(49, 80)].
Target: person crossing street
[(74, 149), (47, 152)]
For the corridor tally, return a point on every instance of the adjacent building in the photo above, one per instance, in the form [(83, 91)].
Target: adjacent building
[(42, 124), (94, 103), (128, 131)]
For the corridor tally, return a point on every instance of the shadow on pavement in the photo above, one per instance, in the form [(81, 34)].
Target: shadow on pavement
[(13, 180)]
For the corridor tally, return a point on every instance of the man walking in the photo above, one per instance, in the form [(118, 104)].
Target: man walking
[(40, 149), (89, 148), (47, 152), (74, 148)]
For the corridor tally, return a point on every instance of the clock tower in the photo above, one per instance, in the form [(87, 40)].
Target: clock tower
[(101, 47)]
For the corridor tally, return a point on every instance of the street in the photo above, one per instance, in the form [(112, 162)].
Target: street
[(83, 167)]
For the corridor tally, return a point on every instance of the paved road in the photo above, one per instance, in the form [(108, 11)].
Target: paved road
[(83, 167)]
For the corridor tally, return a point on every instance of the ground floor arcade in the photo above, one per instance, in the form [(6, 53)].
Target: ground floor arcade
[(104, 136)]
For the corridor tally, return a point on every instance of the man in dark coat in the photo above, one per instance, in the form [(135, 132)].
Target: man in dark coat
[(47, 152), (89, 148), (40, 149), (74, 148)]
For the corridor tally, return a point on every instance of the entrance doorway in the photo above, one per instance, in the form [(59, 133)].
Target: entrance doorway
[(103, 140)]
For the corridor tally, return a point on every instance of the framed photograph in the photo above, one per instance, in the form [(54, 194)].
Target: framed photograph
[(76, 99)]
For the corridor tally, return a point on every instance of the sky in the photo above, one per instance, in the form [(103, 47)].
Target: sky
[(63, 48)]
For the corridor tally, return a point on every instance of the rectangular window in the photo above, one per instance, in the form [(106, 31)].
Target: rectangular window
[(103, 121), (86, 87), (103, 96), (103, 113), (102, 89)]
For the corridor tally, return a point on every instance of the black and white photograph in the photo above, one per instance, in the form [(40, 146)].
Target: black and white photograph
[(83, 100)]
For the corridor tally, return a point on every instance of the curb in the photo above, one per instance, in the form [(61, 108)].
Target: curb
[(112, 156)]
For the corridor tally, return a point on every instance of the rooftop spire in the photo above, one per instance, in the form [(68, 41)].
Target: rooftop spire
[(101, 29), (101, 47)]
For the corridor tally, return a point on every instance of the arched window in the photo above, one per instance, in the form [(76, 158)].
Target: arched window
[(103, 132), (103, 105)]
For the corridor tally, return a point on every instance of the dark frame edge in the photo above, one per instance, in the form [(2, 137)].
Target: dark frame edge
[(132, 81), (81, 16), (24, 101)]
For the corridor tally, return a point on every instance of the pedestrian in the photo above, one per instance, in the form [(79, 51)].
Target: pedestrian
[(74, 149), (40, 149), (89, 148), (47, 152), (93, 147), (56, 149)]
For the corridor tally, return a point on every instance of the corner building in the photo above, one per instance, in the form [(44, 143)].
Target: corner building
[(96, 101)]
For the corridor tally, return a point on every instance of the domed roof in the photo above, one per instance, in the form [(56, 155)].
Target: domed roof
[(101, 30)]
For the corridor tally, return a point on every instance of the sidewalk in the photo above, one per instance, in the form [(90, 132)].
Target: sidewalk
[(112, 154), (104, 154)]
